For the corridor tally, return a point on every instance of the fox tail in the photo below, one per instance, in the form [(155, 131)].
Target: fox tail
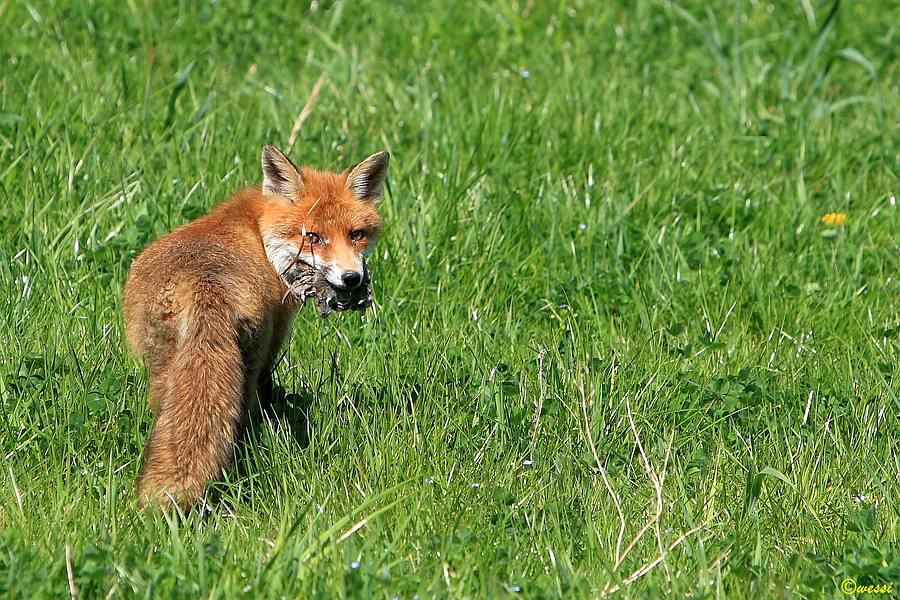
[(199, 411)]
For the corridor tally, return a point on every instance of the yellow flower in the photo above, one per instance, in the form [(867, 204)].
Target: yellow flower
[(834, 218)]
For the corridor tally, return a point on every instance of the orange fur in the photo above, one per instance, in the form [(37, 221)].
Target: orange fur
[(205, 309)]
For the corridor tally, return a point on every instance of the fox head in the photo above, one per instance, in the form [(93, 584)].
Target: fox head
[(327, 220)]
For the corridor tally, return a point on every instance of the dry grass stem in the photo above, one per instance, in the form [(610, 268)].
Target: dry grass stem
[(306, 110)]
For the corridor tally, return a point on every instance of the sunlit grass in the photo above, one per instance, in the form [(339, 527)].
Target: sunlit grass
[(637, 328)]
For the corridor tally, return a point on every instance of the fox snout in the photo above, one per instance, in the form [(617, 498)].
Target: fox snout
[(345, 279), (351, 279)]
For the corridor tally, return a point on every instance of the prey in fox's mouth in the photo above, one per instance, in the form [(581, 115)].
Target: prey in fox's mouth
[(305, 281)]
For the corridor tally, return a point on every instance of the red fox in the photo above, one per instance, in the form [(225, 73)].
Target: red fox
[(207, 308)]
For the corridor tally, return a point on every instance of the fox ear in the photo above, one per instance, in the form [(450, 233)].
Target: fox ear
[(365, 179), (280, 175)]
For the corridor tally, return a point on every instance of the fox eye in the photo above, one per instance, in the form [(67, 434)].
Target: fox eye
[(313, 238), (357, 234)]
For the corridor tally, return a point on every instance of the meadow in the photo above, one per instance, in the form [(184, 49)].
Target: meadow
[(637, 327)]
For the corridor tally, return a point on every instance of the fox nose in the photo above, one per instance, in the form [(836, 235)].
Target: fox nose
[(351, 279)]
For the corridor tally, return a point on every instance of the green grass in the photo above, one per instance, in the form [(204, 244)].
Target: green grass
[(608, 309)]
